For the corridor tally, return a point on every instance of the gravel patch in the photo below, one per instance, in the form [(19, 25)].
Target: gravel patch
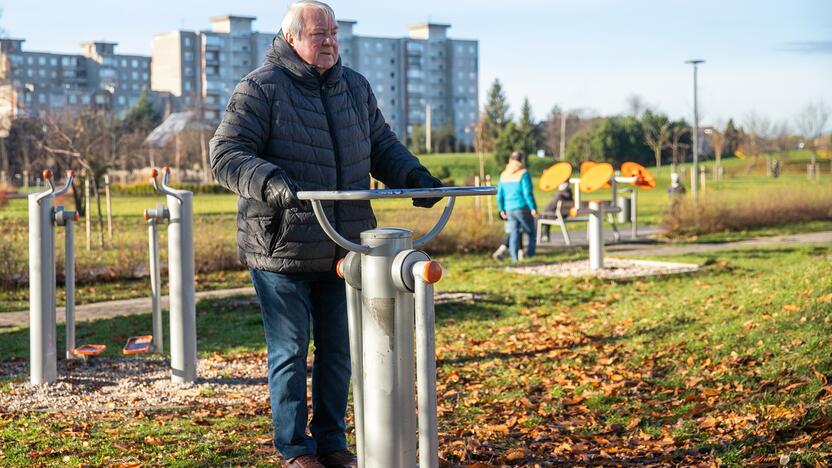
[(126, 384), (614, 268)]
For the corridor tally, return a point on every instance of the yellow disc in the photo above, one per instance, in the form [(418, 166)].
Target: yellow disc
[(644, 179), (554, 175), (586, 165), (596, 177)]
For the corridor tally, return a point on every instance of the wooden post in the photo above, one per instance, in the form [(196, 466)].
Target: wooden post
[(178, 157), (87, 220), (477, 204), (488, 200), (109, 208), (206, 171)]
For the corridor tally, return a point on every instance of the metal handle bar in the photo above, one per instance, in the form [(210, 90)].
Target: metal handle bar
[(70, 175), (164, 189), (352, 195)]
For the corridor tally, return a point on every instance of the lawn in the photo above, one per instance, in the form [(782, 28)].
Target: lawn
[(730, 366)]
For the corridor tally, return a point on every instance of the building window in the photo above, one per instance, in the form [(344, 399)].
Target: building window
[(121, 100), (135, 63), (30, 60), (42, 98), (189, 71), (187, 86), (42, 73), (41, 60), (85, 100), (189, 56), (53, 61), (187, 41), (73, 99), (134, 75), (144, 76)]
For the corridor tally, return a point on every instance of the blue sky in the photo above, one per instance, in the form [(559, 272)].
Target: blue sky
[(769, 57)]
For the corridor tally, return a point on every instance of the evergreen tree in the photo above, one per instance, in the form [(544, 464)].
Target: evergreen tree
[(528, 128), (416, 140), (732, 138), (143, 116), (510, 139), (496, 115)]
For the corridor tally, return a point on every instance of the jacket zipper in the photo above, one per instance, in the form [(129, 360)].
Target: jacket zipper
[(336, 154)]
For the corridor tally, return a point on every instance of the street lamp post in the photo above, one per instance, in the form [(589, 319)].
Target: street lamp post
[(695, 172)]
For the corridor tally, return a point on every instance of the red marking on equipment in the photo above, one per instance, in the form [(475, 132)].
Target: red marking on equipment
[(339, 268), (432, 272), (76, 216), (154, 173), (47, 174), (89, 350)]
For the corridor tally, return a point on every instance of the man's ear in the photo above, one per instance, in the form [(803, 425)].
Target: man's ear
[(290, 38)]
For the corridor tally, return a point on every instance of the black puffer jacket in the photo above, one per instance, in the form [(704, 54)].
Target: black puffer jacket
[(327, 133)]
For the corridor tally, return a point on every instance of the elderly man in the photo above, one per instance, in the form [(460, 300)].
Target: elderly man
[(302, 121)]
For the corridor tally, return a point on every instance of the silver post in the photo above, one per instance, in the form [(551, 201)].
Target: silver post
[(350, 269), (182, 290), (595, 233), (387, 400), (426, 366), (158, 345), (695, 168), (66, 219), (42, 339)]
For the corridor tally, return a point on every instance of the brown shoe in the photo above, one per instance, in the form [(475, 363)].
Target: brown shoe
[(338, 459), (304, 461)]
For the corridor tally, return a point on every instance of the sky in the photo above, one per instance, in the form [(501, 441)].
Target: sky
[(769, 58)]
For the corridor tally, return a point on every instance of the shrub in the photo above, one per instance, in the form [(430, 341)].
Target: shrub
[(144, 188), (762, 208)]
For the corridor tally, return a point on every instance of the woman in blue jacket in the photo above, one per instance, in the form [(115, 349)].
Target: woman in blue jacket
[(516, 203)]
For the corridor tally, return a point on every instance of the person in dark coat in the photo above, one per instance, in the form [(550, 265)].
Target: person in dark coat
[(302, 121)]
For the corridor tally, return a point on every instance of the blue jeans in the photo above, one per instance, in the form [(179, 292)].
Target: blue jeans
[(518, 222), (291, 304)]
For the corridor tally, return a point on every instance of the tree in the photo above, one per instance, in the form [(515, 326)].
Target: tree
[(613, 139), (510, 139), (444, 139), (636, 105), (496, 115), (756, 141), (733, 137), (143, 116), (678, 143), (810, 123), (527, 128), (416, 139), (559, 127), (656, 133)]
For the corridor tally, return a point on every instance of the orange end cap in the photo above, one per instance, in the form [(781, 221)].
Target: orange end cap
[(76, 216), (573, 212), (432, 272), (339, 268), (70, 173), (166, 170), (145, 216), (154, 173), (47, 174)]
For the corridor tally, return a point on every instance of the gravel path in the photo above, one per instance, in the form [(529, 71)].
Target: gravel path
[(125, 384)]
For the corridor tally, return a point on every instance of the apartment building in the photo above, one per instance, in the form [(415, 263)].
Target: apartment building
[(46, 83), (408, 74), (201, 69)]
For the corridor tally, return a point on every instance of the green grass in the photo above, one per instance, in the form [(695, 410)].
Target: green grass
[(575, 359)]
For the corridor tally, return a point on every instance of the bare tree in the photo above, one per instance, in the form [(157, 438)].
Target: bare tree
[(677, 148), (811, 123), (656, 134), (559, 127), (718, 144), (636, 105), (757, 137)]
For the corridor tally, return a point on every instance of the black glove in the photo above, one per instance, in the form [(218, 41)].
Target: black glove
[(421, 178), (281, 192)]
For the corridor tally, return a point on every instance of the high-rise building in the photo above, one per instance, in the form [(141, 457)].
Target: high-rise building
[(44, 82), (201, 69), (408, 74)]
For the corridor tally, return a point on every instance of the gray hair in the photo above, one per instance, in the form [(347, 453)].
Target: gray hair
[(293, 22)]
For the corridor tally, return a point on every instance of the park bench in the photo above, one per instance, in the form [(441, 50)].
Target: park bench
[(558, 219)]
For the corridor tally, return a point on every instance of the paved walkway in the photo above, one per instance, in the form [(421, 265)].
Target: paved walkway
[(641, 247)]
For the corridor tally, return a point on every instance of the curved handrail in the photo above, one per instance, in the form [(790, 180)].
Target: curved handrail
[(333, 234), (51, 191), (354, 195), (164, 189), (437, 228)]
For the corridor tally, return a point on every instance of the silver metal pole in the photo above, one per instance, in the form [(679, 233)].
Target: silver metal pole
[(426, 368), (182, 294), (386, 399), (595, 233), (42, 339), (158, 345), (350, 270), (69, 247), (695, 171), (634, 212)]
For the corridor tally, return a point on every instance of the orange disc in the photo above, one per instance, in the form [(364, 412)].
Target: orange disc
[(554, 175), (644, 179), (586, 165), (596, 177)]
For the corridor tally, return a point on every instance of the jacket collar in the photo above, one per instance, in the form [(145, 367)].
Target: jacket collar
[(282, 55)]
